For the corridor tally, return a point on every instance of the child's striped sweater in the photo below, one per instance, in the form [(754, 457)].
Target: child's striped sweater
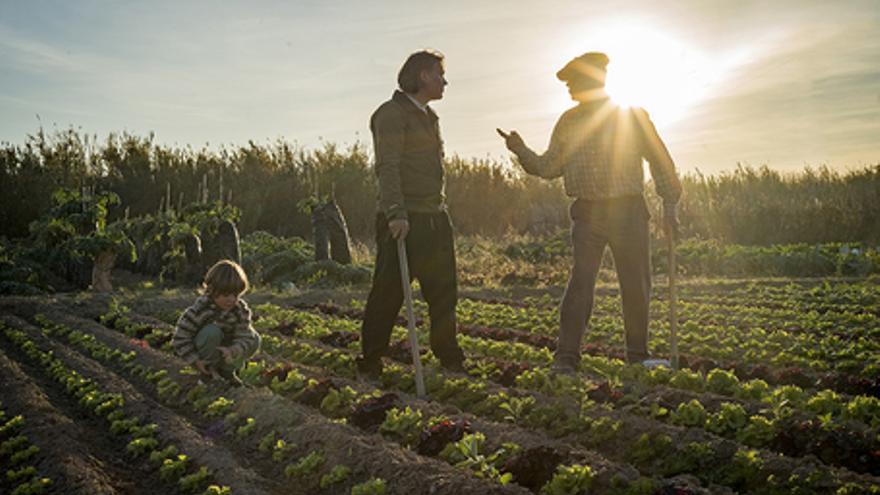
[(235, 323)]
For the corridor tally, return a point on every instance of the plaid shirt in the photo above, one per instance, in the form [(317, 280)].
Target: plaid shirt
[(598, 148)]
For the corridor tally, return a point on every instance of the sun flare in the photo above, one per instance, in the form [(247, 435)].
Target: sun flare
[(651, 69)]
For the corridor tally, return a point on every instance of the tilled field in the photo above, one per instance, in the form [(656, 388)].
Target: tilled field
[(111, 410)]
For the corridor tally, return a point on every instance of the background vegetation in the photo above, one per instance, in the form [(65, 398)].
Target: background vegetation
[(266, 182)]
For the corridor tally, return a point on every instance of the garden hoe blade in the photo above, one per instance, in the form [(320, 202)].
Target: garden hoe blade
[(410, 318)]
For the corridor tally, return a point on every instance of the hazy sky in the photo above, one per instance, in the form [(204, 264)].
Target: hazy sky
[(782, 83)]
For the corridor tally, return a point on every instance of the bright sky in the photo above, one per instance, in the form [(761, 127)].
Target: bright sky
[(786, 83)]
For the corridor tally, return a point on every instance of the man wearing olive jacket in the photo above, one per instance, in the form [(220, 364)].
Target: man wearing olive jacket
[(409, 166)]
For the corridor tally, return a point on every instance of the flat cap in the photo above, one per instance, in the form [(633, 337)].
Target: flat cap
[(590, 64)]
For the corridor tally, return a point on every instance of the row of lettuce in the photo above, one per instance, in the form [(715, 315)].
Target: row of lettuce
[(550, 404)]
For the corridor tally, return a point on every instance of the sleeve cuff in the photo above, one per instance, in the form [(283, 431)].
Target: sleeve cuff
[(396, 213), (520, 150)]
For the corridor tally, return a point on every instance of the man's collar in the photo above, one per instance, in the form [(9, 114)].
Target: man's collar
[(421, 106), (411, 103)]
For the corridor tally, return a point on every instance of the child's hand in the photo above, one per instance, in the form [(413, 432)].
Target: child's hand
[(203, 367), (226, 352)]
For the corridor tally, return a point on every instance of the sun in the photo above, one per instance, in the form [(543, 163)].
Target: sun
[(651, 69)]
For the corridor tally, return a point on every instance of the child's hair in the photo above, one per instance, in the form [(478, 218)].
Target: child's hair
[(225, 277)]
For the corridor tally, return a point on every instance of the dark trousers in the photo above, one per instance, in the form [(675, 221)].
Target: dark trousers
[(622, 224), (209, 338), (431, 254)]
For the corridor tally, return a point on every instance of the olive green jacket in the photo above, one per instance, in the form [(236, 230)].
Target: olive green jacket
[(409, 158)]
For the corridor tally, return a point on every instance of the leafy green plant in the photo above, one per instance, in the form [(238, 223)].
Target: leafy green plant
[(250, 424), (722, 382), (267, 443), (660, 375), (306, 466), (12, 445), (599, 430), (516, 408), (338, 403), (281, 450), (168, 389), (690, 458), (251, 372), (294, 382), (825, 402), (141, 445), (338, 474), (759, 432), (36, 486), (157, 457), (744, 470), (466, 453), (728, 420), (15, 475), (173, 468), (402, 425), (124, 426), (194, 482), (691, 413), (146, 430), (219, 407), (11, 425), (755, 389), (23, 455), (685, 379), (857, 489), (650, 447), (790, 396), (641, 486), (865, 409), (195, 393), (570, 480), (217, 490), (373, 486)]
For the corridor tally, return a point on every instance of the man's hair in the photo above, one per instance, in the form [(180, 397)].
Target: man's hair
[(225, 277), (409, 77)]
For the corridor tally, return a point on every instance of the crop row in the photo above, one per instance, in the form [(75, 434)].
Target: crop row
[(841, 432), (338, 400), (17, 458), (566, 417), (850, 347), (834, 380), (825, 423), (827, 297), (207, 401), (459, 390), (529, 361), (457, 387), (142, 442)]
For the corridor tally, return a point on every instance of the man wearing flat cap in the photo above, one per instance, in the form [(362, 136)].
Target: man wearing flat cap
[(598, 148)]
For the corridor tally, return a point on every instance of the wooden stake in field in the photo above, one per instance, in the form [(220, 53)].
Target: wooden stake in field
[(410, 317), (673, 318)]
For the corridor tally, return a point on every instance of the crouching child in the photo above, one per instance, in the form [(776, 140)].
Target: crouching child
[(215, 334)]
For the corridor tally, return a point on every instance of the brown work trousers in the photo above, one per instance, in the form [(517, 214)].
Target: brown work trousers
[(622, 224)]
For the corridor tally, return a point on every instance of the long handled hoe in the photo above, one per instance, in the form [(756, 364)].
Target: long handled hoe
[(673, 319), (410, 318)]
